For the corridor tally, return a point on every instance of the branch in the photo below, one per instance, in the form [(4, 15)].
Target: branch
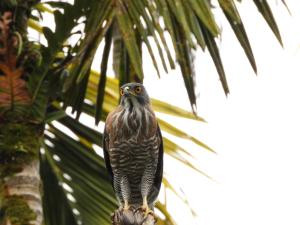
[(132, 217)]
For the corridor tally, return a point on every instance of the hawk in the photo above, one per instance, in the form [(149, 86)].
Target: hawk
[(133, 149)]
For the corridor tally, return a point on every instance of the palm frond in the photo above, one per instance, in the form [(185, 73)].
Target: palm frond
[(233, 17), (189, 24), (170, 31), (89, 192), (79, 176), (265, 10)]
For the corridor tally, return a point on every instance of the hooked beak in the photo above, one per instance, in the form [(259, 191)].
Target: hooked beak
[(128, 92)]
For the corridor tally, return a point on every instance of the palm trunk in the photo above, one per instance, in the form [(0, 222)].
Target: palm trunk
[(20, 198), (22, 191), (20, 183)]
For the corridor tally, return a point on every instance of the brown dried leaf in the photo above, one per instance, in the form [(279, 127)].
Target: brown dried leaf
[(13, 90)]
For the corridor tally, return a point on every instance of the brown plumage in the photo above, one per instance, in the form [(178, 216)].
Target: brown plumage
[(133, 149)]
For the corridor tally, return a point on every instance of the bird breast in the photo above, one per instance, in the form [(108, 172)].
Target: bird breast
[(137, 122)]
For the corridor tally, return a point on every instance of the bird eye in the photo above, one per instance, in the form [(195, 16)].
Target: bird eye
[(138, 90), (121, 92)]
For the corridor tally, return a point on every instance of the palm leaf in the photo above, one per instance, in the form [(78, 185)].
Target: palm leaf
[(233, 17), (89, 184), (54, 193), (85, 171), (214, 52), (128, 33), (102, 81), (72, 171), (138, 21), (265, 10)]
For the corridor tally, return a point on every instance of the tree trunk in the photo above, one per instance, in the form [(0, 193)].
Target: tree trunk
[(22, 200), (20, 183), (132, 217)]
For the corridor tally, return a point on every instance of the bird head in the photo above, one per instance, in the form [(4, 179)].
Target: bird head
[(134, 95)]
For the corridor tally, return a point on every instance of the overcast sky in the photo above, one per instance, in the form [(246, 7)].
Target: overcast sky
[(255, 130)]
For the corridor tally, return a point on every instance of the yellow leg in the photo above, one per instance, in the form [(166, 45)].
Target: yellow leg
[(146, 208), (126, 205)]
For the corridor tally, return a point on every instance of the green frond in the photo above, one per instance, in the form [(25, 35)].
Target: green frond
[(233, 17), (189, 24), (170, 30), (74, 165), (73, 162), (265, 10)]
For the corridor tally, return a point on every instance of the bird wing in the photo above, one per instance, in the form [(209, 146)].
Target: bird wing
[(106, 155), (159, 171)]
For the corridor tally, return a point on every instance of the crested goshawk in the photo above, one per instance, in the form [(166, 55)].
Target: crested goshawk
[(133, 149)]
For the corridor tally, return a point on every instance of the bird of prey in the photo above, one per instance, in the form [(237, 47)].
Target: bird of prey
[(133, 149)]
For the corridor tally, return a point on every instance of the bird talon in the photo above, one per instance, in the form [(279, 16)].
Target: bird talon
[(147, 211), (126, 206)]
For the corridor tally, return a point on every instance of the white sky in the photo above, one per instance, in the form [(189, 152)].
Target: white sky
[(255, 130)]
